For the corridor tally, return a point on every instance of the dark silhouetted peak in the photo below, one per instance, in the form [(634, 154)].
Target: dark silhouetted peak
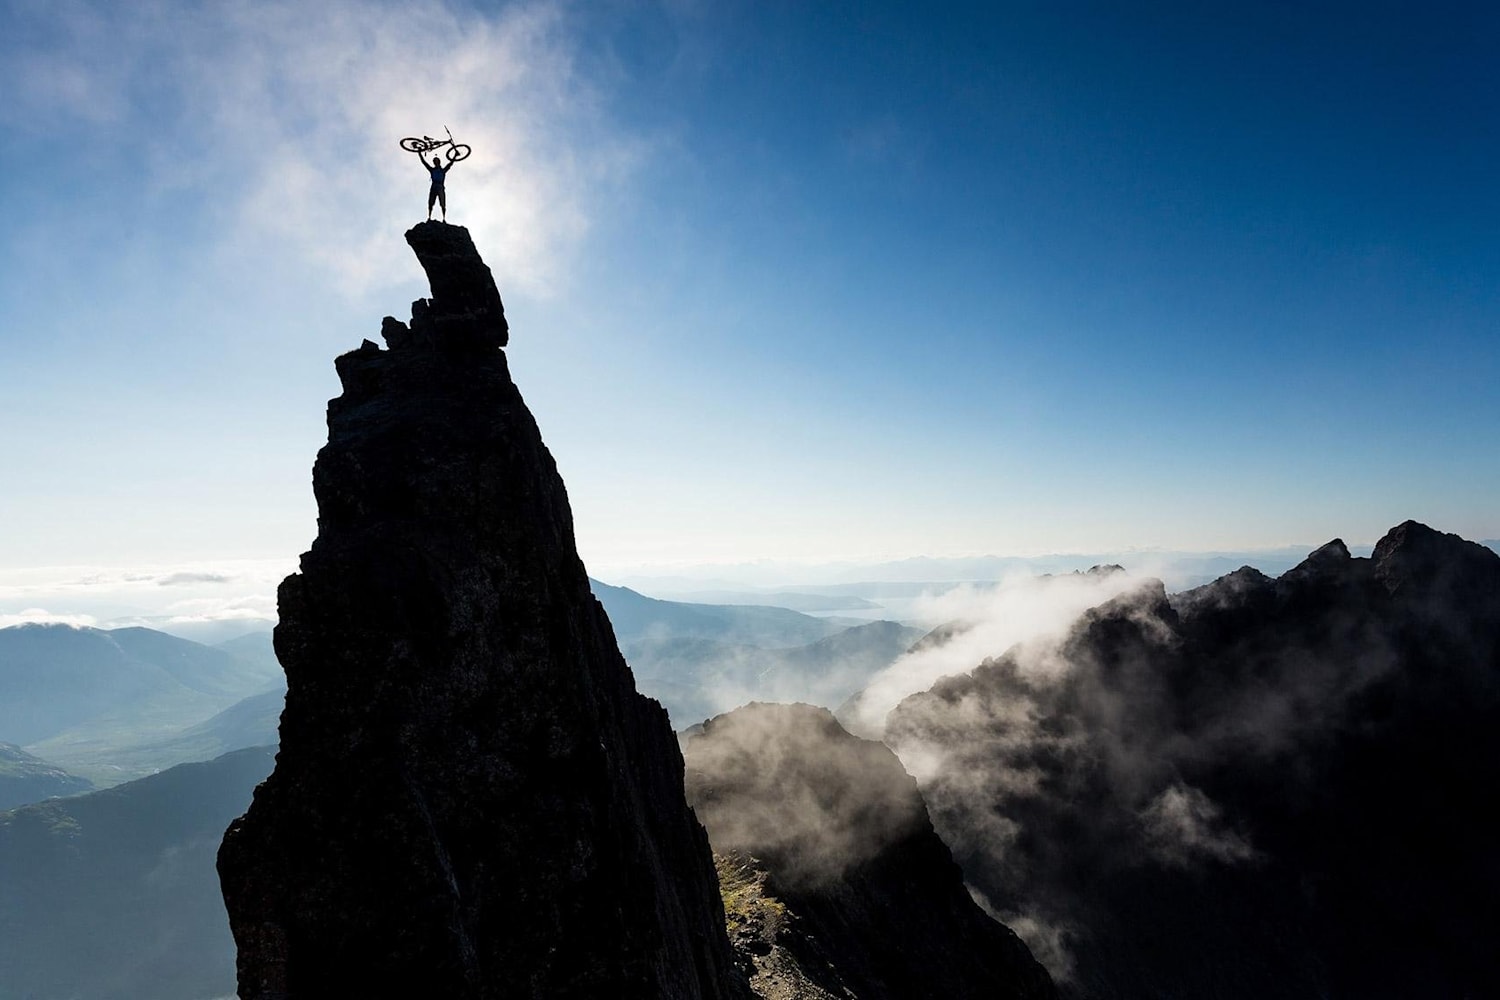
[(1244, 586), (1329, 558), (1104, 570), (465, 311), (1412, 555), (1140, 614), (1327, 569), (471, 799), (834, 882)]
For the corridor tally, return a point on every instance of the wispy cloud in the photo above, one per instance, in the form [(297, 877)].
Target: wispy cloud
[(90, 595), (289, 118), (986, 621), (41, 616), (183, 579)]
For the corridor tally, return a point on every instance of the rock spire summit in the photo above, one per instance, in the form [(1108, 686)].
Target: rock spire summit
[(471, 799)]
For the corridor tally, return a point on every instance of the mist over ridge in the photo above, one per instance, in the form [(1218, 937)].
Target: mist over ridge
[(1242, 786)]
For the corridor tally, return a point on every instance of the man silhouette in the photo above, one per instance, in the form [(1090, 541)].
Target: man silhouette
[(436, 194)]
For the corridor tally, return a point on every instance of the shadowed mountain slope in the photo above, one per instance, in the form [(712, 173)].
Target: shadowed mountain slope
[(25, 778), (835, 883), (113, 895), (56, 678)]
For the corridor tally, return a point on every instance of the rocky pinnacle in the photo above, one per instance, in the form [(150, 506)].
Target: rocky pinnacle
[(471, 799)]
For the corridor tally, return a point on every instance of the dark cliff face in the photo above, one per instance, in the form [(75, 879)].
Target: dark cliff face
[(471, 799), (837, 884), (1264, 788)]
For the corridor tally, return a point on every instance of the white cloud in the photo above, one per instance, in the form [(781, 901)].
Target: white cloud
[(40, 616), (993, 619), (289, 116), (183, 593)]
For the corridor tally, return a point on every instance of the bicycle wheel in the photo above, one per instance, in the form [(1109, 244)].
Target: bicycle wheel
[(458, 151), (414, 145)]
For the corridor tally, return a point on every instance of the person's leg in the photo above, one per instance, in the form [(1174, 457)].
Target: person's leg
[(443, 201), (432, 197)]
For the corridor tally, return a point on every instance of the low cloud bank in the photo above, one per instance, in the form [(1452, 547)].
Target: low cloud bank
[(983, 621), (204, 601)]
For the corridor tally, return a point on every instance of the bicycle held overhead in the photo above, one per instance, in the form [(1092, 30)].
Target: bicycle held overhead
[(437, 194), (427, 144)]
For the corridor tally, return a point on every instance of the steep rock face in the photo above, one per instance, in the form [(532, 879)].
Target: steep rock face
[(836, 883), (471, 800), (1266, 788)]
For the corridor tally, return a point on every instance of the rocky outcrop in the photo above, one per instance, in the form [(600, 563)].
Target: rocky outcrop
[(1264, 788), (834, 881), (471, 799)]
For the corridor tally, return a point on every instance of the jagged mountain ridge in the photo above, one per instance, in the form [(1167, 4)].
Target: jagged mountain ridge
[(471, 800), (1258, 788)]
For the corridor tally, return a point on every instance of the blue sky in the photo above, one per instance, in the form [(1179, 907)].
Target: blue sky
[(787, 281)]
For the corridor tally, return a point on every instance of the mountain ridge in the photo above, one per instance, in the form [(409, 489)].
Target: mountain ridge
[(1247, 790)]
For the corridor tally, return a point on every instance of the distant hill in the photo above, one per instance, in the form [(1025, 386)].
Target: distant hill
[(635, 616), (792, 600), (25, 779), (73, 696), (249, 722), (210, 633), (702, 659), (113, 895), (254, 648), (698, 678)]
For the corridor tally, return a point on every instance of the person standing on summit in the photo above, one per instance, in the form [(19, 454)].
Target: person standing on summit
[(436, 193)]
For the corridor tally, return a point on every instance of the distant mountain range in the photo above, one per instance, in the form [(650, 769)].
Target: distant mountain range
[(698, 678), (703, 659), (1177, 569), (635, 616), (108, 705)]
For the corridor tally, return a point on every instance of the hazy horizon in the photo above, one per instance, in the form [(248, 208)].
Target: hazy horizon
[(207, 599)]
